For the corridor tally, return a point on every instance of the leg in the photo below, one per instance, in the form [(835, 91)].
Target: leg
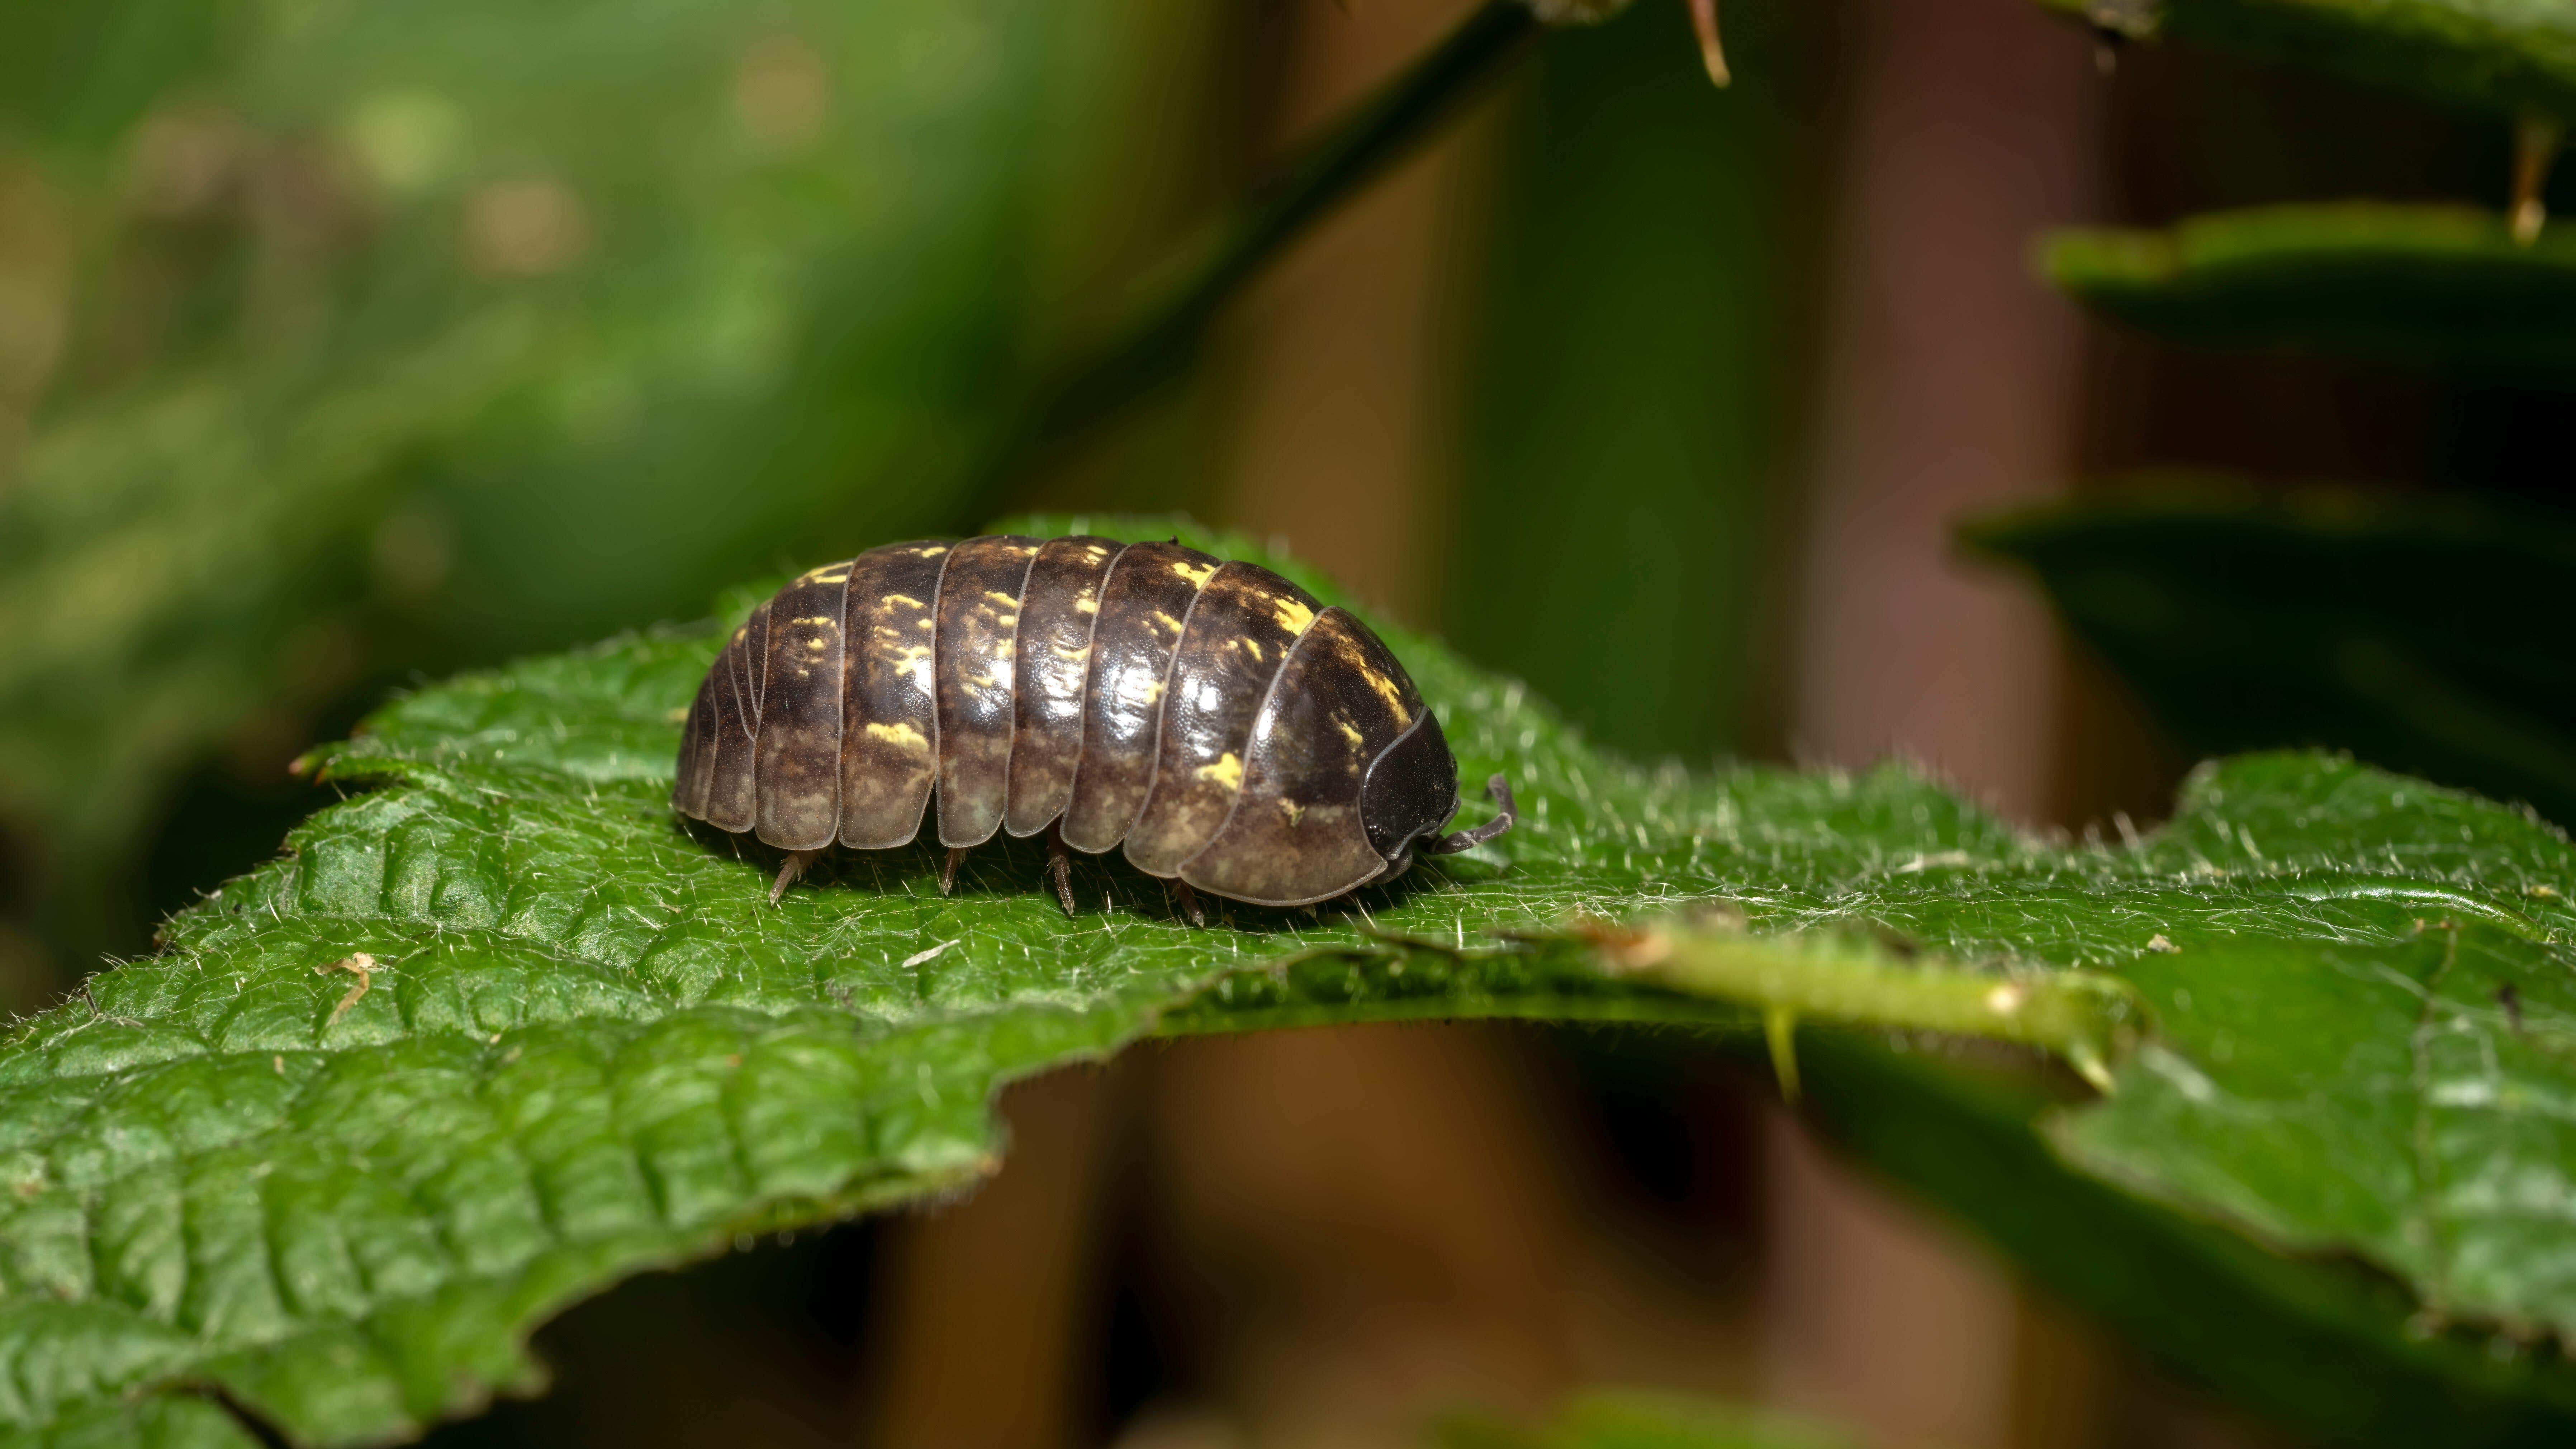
[(1060, 870), (1189, 900), (790, 871), (948, 871)]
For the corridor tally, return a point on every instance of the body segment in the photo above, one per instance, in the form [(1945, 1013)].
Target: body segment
[(1143, 608), (1245, 623), (796, 752), (730, 700), (1053, 660), (889, 723), (974, 640)]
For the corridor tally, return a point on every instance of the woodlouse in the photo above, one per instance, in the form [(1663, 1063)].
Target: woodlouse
[(1210, 716)]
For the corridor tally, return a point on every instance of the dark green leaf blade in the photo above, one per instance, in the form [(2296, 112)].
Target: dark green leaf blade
[(2515, 57), (2419, 286), (2419, 632)]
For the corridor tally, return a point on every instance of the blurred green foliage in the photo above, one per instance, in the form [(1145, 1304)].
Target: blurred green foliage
[(1635, 379), (2426, 286), (2517, 57), (2407, 617), (355, 342), (2423, 631)]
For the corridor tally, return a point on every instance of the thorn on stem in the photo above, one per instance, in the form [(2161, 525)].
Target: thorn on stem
[(2535, 146), (1711, 54), (2087, 1061), (1780, 1032)]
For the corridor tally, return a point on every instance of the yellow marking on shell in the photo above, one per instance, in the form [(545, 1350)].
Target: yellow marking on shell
[(1007, 601), (905, 737), (818, 621), (907, 600), (1071, 656), (1006, 621), (1167, 621), (1086, 606), (1251, 646), (1387, 691), (741, 632), (1350, 732), (1292, 614), (825, 575), (1226, 772), (818, 645), (1291, 809), (1197, 574), (925, 623), (930, 550)]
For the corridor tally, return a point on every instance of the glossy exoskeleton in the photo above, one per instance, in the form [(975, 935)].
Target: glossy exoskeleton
[(1231, 733)]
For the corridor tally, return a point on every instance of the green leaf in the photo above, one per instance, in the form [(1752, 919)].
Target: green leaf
[(2380, 1075), (2418, 631), (2517, 57), (2327, 1346), (586, 1045), (2421, 286), (1630, 1419)]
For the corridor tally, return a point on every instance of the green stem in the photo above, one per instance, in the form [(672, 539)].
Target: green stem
[(1702, 968), (1156, 332), (2079, 1015)]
